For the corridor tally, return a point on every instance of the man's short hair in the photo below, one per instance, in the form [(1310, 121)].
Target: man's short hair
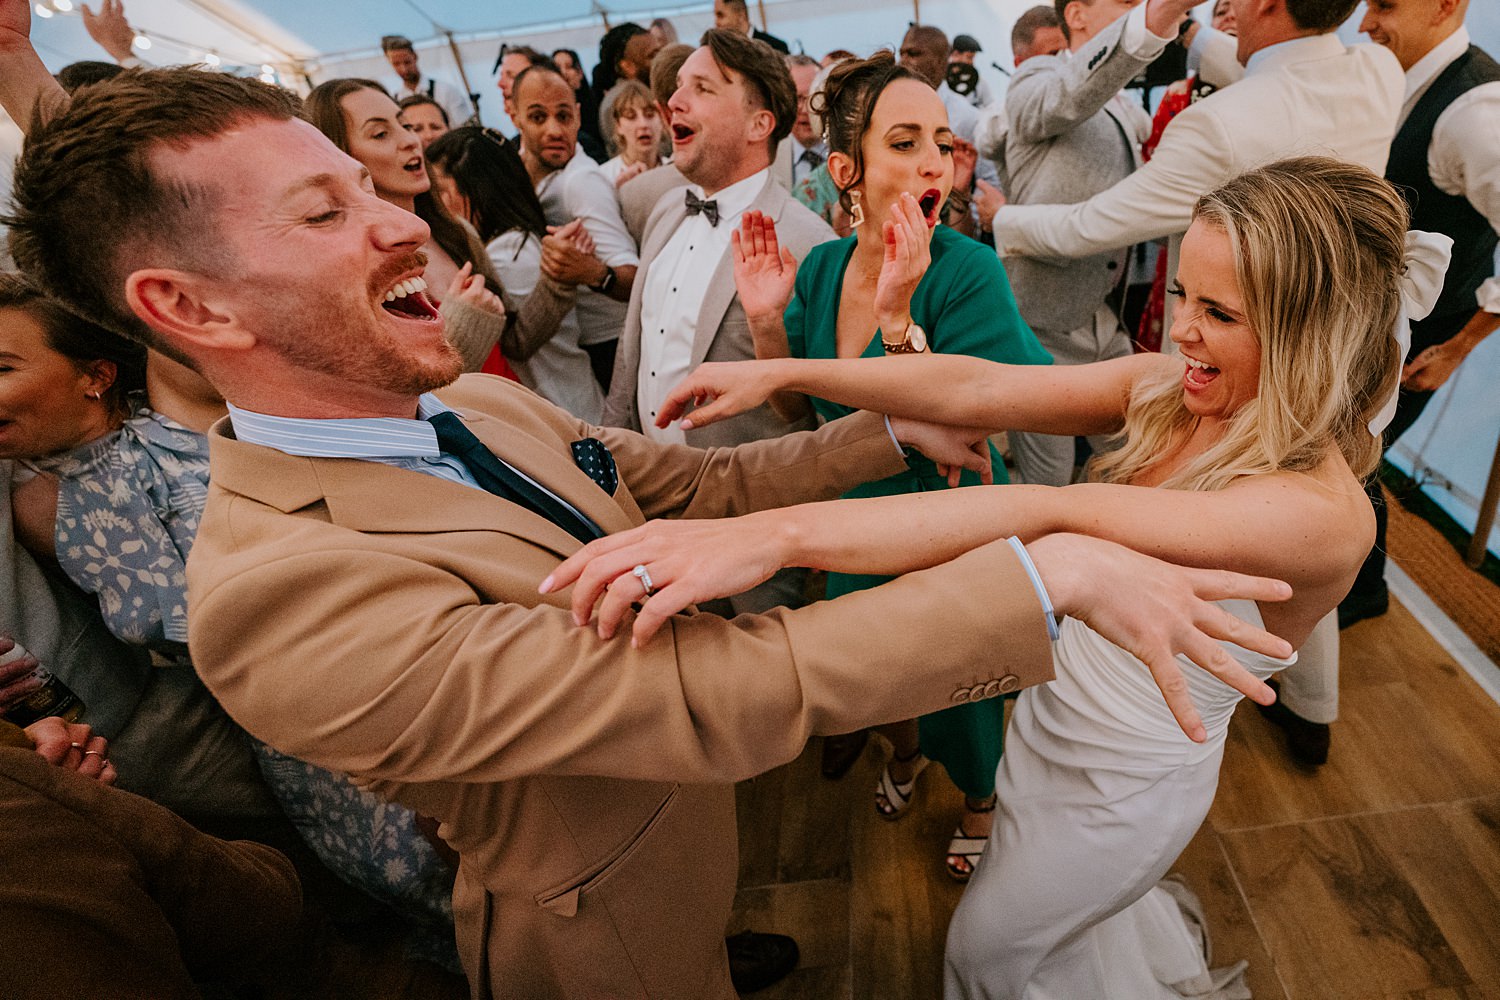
[(767, 79), (929, 35), (88, 208), (801, 59), (542, 64), (87, 72), (1023, 33), (397, 43), (1320, 15), (664, 70)]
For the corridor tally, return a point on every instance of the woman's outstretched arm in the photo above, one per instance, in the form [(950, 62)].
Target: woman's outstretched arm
[(1289, 526), (952, 389)]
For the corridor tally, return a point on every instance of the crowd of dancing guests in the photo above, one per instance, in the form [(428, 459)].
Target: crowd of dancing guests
[(689, 275)]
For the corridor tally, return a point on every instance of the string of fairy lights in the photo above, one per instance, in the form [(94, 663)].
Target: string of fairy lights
[(219, 58)]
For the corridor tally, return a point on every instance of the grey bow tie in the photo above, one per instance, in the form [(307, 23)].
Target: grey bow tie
[(709, 208)]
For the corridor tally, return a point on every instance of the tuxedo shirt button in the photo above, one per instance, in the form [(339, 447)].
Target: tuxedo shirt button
[(1010, 683)]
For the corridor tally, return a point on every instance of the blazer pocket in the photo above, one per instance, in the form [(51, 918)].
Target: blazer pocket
[(562, 899)]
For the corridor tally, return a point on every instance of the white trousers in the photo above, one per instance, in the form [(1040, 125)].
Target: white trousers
[(1310, 687)]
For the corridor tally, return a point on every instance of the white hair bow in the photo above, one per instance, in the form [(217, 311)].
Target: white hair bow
[(1426, 260)]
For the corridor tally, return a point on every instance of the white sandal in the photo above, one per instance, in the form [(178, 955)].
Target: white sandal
[(892, 797)]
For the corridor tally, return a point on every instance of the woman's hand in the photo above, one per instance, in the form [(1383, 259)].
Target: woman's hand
[(764, 271), (965, 159), (907, 256), (73, 746), (631, 172), (718, 390), (687, 561), (469, 288)]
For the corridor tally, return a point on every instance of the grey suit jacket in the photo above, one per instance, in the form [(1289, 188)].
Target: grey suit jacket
[(639, 195), (723, 330), (1065, 143)]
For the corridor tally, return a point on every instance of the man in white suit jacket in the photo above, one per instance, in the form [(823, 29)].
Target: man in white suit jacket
[(1304, 92)]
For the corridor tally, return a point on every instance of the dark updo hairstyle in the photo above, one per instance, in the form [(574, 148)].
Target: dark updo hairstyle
[(81, 342), (847, 103)]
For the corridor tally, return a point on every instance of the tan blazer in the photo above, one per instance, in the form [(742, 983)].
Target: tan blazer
[(723, 332), (387, 623)]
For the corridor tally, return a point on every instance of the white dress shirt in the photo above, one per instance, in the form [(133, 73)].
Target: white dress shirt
[(580, 190), (1464, 158), (454, 101), (675, 286), (559, 371)]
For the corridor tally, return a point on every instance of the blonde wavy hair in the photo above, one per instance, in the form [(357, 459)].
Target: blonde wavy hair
[(1319, 247)]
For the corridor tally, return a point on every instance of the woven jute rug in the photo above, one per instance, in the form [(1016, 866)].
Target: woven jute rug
[(1470, 600)]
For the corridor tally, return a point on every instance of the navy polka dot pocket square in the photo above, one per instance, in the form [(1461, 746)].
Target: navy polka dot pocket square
[(594, 459)]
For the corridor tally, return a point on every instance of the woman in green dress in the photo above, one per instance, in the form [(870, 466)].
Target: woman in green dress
[(902, 283)]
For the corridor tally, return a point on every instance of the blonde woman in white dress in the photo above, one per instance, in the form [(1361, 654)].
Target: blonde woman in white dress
[(1244, 452)]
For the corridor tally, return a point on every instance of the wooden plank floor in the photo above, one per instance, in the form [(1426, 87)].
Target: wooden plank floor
[(1378, 876)]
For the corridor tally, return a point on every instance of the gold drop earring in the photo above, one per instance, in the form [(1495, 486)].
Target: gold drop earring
[(856, 210)]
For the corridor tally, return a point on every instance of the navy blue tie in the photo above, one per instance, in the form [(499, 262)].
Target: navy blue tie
[(494, 476)]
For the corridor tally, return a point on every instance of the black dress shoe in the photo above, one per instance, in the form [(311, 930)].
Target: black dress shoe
[(1359, 606), (758, 960), (840, 753), (1306, 741)]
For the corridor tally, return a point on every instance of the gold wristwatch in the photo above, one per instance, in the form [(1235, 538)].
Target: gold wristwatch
[(913, 341)]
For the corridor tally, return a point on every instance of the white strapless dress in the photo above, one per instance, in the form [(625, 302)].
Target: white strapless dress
[(1099, 792)]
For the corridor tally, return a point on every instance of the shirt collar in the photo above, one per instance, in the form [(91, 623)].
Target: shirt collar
[(1295, 50), (798, 149), (737, 198), (358, 437), (1427, 68)]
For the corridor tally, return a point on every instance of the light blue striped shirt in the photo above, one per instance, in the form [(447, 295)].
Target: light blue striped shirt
[(398, 441)]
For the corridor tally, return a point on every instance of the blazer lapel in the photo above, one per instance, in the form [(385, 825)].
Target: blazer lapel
[(721, 292), (551, 466)]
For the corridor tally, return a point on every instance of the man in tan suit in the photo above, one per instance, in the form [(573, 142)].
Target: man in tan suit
[(361, 600)]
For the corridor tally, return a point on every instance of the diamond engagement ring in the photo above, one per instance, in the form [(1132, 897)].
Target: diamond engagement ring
[(642, 575)]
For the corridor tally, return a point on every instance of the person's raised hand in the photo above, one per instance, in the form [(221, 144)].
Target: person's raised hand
[(765, 272), (1164, 17), (1158, 611), (988, 200), (469, 288), (1431, 368), (953, 449), (629, 173), (965, 159), (73, 746), (718, 390), (907, 256), (16, 680), (110, 29), (687, 561)]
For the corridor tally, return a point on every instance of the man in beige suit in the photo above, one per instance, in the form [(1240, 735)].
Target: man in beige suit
[(359, 598)]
